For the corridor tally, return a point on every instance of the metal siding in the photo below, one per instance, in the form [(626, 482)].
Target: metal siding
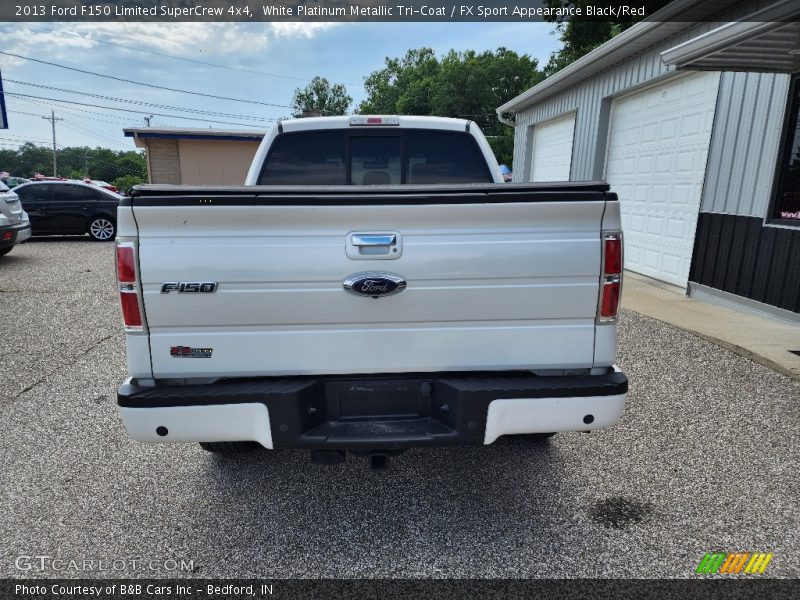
[(742, 156), (755, 147), (736, 254), (589, 132), (743, 112), (726, 127), (770, 147), (745, 143)]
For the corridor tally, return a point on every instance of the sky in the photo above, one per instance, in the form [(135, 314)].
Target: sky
[(262, 62)]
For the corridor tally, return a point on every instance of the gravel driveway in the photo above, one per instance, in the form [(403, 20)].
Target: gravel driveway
[(705, 458)]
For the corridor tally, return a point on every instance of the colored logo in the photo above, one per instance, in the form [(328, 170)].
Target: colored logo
[(734, 563), (189, 352)]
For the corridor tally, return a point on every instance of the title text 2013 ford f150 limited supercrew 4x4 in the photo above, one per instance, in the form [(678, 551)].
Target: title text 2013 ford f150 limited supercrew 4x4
[(374, 286)]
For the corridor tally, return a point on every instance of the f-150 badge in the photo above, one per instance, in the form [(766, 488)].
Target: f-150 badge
[(189, 287), (374, 284)]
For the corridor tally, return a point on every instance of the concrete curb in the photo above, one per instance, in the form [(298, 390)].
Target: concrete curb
[(763, 340)]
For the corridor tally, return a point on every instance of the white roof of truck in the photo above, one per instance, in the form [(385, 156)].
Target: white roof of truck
[(409, 122)]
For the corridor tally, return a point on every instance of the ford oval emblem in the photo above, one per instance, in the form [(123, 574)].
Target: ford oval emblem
[(374, 284)]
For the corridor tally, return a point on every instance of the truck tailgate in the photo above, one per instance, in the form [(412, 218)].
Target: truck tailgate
[(495, 280)]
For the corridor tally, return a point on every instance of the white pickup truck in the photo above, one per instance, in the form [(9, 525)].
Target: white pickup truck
[(374, 286)]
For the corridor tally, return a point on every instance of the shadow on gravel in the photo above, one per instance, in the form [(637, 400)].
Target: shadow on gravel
[(504, 494), (15, 258), (59, 238), (619, 512)]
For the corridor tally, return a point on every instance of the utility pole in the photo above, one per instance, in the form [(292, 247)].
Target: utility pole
[(147, 120), (52, 119)]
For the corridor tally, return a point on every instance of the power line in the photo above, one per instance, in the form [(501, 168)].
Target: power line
[(82, 114), (76, 127), (141, 102), (172, 56), (23, 140), (19, 112), (73, 109), (142, 83), (138, 112)]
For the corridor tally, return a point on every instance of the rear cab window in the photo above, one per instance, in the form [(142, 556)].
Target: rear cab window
[(306, 158), (374, 157)]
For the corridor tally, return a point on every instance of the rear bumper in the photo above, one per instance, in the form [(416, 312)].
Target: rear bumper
[(372, 413), (14, 234)]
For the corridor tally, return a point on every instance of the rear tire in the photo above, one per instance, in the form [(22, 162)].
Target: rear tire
[(229, 447), (6, 250), (102, 229)]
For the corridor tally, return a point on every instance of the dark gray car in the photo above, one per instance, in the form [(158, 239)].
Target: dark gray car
[(70, 208)]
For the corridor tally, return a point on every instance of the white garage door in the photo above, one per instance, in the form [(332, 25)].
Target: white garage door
[(656, 162), (552, 149)]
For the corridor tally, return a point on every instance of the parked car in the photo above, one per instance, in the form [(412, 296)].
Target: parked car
[(70, 208), (102, 184), (12, 181), (15, 227)]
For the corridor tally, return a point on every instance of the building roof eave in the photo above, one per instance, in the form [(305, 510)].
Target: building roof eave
[(767, 40), (670, 20)]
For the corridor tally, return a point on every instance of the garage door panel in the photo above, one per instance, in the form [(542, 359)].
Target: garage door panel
[(552, 149), (661, 261), (656, 159)]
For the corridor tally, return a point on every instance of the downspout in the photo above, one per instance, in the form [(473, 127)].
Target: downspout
[(505, 121)]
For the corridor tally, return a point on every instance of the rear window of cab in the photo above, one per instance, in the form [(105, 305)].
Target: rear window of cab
[(372, 157)]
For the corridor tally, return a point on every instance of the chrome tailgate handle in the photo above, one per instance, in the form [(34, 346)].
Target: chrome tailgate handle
[(362, 239), (386, 245)]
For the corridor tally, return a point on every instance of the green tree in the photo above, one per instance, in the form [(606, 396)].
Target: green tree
[(320, 95), (581, 36), (102, 163), (126, 182), (467, 85), (31, 159), (403, 86)]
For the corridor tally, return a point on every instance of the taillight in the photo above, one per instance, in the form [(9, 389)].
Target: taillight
[(608, 304), (126, 279), (131, 315), (126, 266), (613, 257)]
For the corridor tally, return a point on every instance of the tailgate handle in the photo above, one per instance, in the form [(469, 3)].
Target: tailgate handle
[(373, 240)]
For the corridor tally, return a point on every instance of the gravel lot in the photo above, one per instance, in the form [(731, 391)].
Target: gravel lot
[(705, 458)]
